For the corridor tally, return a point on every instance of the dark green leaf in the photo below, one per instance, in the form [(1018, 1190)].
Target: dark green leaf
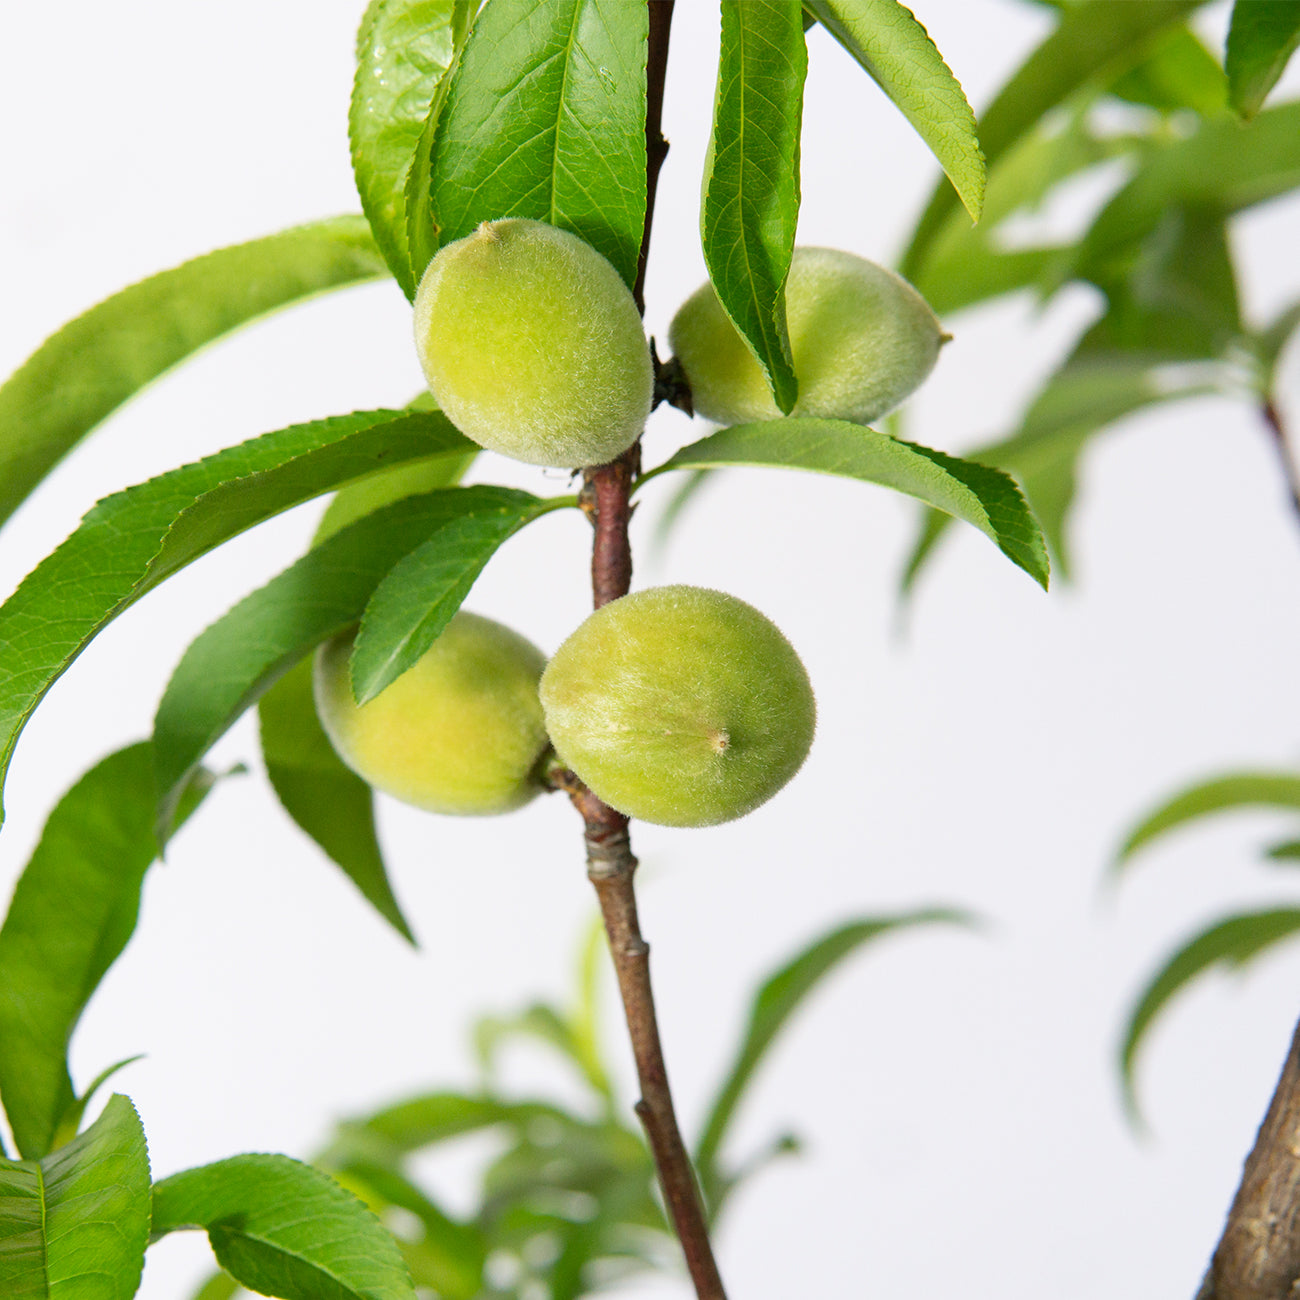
[(385, 486), (751, 178), (776, 1001), (544, 117), (1237, 790), (900, 57), (403, 50), (1263, 36), (1093, 42), (133, 540), (228, 667), (418, 596), (1179, 73), (321, 793), (94, 363), (1224, 167), (73, 910), (1234, 942), (285, 1229), (984, 497), (74, 1226), (1286, 851)]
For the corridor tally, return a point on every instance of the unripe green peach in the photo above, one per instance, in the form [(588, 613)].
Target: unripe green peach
[(679, 705), (533, 346), (459, 732), (861, 339)]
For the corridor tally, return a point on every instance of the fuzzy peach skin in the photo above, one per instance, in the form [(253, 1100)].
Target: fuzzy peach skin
[(861, 338), (533, 346), (459, 732), (680, 706)]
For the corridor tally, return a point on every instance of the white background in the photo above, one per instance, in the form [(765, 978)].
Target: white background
[(957, 1092)]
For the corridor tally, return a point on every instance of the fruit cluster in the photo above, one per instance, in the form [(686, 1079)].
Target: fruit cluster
[(676, 705)]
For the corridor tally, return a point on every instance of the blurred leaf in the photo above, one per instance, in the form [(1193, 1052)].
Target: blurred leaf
[(220, 1286), (689, 487), (1086, 395), (1263, 36), (403, 50), (1234, 942), (131, 541), (417, 597), (1173, 295), (544, 118), (1224, 167), (751, 178), (74, 1226), (543, 1024), (899, 56), (1179, 73), (94, 363), (981, 496), (1093, 42), (1286, 851), (431, 1118), (1238, 790), (285, 1229), (73, 911), (776, 1001), (229, 665), (321, 793)]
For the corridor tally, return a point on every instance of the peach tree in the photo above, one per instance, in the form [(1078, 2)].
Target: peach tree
[(507, 157)]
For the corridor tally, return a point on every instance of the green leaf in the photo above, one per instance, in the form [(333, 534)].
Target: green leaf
[(1093, 43), (426, 1120), (229, 665), (1236, 790), (777, 1000), (1173, 296), (94, 363), (404, 48), (133, 540), (1088, 393), (285, 1229), (984, 497), (899, 56), (545, 118), (1234, 942), (751, 178), (1262, 37), (1286, 851), (385, 486), (1224, 167), (1179, 73), (74, 1226), (73, 911), (417, 598), (1271, 343), (220, 1286), (321, 793)]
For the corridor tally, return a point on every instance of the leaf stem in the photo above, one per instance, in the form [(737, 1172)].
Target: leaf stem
[(1258, 1256)]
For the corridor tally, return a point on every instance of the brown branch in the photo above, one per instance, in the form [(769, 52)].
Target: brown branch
[(605, 498), (1273, 419), (1258, 1256)]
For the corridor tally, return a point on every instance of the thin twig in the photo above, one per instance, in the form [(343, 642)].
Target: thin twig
[(1273, 419), (1258, 1256)]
